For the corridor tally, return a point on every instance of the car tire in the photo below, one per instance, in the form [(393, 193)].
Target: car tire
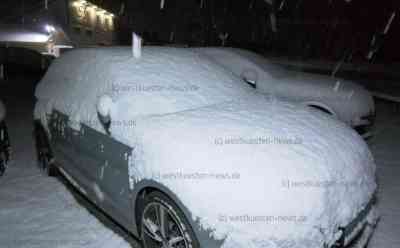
[(44, 154), (176, 231)]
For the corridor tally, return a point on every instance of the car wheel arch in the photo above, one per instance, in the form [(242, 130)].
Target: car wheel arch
[(145, 187), (148, 186)]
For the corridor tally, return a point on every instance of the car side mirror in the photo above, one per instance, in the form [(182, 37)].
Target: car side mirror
[(104, 106)]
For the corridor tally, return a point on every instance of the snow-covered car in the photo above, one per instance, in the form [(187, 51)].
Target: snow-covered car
[(183, 154), (346, 100), (4, 140)]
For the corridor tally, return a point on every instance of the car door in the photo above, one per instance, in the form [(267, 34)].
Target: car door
[(62, 144), (98, 162)]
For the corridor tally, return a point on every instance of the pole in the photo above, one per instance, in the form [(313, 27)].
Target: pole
[(136, 46)]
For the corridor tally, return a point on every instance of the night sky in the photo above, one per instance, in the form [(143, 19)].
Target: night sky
[(305, 28)]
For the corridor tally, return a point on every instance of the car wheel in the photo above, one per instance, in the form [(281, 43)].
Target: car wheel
[(163, 224)]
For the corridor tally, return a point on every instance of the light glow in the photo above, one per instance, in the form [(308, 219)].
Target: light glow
[(101, 11), (79, 3), (25, 36), (50, 28), (93, 7)]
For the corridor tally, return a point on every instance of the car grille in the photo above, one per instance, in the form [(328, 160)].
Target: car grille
[(359, 231)]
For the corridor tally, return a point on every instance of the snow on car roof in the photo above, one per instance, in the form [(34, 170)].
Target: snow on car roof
[(163, 80), (235, 57)]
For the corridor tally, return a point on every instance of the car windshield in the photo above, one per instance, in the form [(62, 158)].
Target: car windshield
[(168, 80), (276, 71)]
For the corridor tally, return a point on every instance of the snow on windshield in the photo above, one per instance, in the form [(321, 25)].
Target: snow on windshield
[(274, 70)]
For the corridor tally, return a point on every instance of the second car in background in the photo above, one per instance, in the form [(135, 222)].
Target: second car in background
[(347, 101)]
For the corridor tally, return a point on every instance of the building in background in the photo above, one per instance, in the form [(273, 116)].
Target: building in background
[(70, 23), (34, 32), (89, 24)]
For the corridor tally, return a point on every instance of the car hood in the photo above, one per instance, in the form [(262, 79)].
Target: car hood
[(301, 174), (345, 99), (2, 111)]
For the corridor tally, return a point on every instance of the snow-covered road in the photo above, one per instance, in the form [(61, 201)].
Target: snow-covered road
[(37, 211)]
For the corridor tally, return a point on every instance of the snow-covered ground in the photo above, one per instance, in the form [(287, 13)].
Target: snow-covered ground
[(36, 211), (41, 212)]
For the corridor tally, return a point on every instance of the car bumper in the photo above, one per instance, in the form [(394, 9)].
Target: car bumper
[(355, 235), (358, 233)]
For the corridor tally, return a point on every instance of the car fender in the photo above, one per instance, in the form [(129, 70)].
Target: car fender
[(202, 235)]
